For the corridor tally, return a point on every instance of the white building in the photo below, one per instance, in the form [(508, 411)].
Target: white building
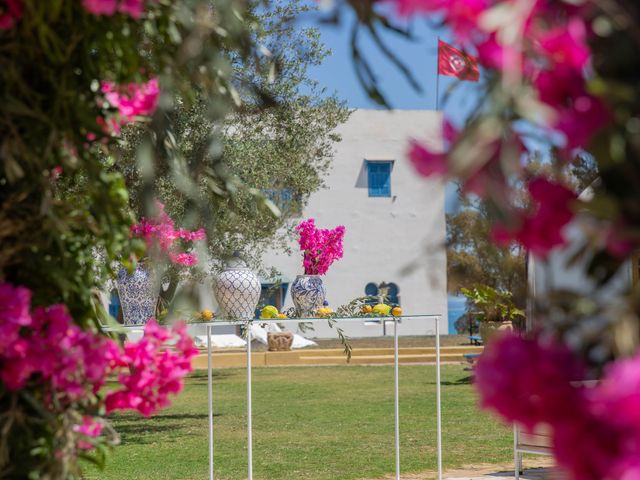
[(395, 222), (395, 226)]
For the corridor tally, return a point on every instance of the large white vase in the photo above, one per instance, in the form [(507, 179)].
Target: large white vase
[(237, 290), (138, 292), (308, 294)]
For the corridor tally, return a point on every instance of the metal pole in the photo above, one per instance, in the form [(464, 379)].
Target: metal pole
[(438, 409), (249, 413), (397, 394), (210, 393), (516, 455), (438, 77)]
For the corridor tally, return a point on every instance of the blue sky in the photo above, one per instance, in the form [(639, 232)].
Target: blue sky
[(337, 73)]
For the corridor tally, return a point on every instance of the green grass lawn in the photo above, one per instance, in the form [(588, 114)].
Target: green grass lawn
[(310, 423)]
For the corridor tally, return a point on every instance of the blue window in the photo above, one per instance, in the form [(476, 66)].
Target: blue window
[(114, 304), (379, 178)]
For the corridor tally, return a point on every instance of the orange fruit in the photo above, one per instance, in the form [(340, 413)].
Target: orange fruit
[(396, 311)]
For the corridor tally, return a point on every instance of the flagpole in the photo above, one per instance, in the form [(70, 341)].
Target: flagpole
[(438, 76)]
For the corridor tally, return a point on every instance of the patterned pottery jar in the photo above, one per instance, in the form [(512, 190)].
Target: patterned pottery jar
[(237, 290), (308, 294), (138, 294)]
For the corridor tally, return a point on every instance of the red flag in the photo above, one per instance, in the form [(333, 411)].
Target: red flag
[(455, 63)]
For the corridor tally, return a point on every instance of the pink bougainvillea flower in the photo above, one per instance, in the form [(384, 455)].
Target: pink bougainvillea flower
[(579, 115), (566, 45), (155, 371), (133, 8), (320, 247), (10, 12), (100, 7), (89, 428), (461, 16), (159, 233), (595, 430), (601, 437), (427, 162), (132, 100), (512, 367), (542, 230), (15, 303)]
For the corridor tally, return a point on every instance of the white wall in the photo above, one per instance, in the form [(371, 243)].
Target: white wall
[(383, 235)]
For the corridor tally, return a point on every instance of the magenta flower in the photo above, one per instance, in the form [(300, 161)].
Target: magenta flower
[(10, 12), (320, 247), (566, 45), (428, 162), (101, 7), (512, 367), (154, 371), (595, 431), (160, 234), (90, 427), (133, 8), (132, 100), (579, 115), (542, 230), (48, 348)]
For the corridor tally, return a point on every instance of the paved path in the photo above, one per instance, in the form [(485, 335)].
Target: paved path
[(538, 468)]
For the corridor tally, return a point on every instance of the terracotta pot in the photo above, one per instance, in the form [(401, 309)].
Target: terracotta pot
[(490, 329), (279, 341)]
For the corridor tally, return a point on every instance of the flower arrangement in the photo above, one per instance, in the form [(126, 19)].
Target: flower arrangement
[(320, 247), (160, 235), (44, 347)]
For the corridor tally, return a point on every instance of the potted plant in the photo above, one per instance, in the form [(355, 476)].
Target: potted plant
[(320, 248), (139, 288), (495, 309)]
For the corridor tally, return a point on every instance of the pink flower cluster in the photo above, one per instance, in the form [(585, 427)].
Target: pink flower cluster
[(320, 247), (47, 345), (90, 428), (543, 44), (541, 230), (152, 372), (596, 431), (10, 12), (132, 100), (43, 347), (134, 8), (160, 233)]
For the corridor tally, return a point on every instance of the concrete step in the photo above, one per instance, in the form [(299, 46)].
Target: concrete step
[(369, 356), (378, 359), (389, 351)]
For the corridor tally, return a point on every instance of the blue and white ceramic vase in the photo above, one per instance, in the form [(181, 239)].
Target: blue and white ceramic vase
[(138, 292), (308, 294), (237, 290)]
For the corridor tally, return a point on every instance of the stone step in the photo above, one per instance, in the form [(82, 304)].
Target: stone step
[(323, 357), (379, 359), (389, 351)]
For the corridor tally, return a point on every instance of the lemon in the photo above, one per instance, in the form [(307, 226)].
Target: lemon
[(206, 314), (396, 311), (367, 309), (324, 311), (282, 315), (269, 312), (382, 309)]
